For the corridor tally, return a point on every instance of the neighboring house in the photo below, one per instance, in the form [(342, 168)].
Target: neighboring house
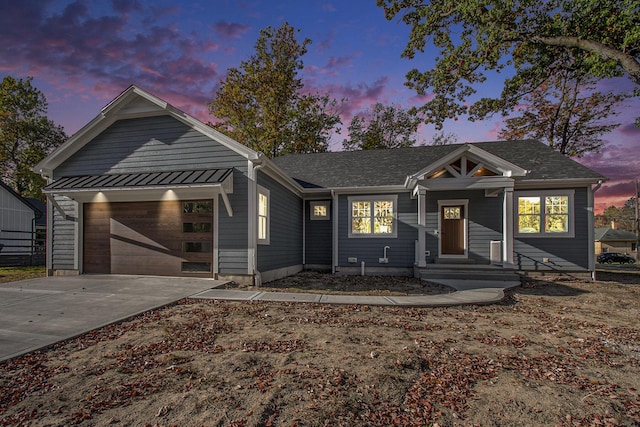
[(146, 189), (18, 228), (610, 239)]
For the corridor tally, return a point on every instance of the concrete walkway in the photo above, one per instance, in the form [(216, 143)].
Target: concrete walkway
[(36, 313), (468, 292)]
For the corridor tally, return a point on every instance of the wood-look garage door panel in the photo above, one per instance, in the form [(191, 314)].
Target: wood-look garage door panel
[(142, 238)]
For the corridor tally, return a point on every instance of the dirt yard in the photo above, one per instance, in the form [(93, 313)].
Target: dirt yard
[(564, 353)]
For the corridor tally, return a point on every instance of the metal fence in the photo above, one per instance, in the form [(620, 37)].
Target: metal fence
[(20, 248)]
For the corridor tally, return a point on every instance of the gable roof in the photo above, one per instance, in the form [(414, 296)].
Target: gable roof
[(132, 103), (24, 201), (608, 234), (391, 167)]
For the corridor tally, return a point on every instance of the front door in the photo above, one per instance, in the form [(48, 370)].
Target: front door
[(452, 230)]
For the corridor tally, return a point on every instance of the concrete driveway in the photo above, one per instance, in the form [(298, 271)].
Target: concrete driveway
[(38, 312)]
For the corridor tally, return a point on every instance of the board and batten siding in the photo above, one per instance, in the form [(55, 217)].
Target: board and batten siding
[(564, 253), (16, 223), (401, 252), (318, 237), (163, 143), (485, 222), (285, 227)]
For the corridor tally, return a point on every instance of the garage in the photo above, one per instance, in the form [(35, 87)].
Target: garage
[(161, 238)]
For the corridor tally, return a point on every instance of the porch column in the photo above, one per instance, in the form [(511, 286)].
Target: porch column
[(422, 222), (507, 228)]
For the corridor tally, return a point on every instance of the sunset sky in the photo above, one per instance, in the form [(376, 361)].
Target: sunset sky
[(82, 54)]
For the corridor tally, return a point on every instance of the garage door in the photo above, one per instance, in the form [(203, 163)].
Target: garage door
[(169, 238)]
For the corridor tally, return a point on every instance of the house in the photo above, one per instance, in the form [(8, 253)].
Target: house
[(610, 239), (19, 219), (146, 189)]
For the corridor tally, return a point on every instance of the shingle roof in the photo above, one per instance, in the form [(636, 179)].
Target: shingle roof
[(608, 234), (145, 179), (391, 167)]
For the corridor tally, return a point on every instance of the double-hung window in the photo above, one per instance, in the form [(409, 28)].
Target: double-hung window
[(263, 216), (372, 216), (544, 214)]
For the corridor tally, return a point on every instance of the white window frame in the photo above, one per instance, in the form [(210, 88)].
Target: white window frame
[(542, 194), (393, 198), (267, 194), (312, 208)]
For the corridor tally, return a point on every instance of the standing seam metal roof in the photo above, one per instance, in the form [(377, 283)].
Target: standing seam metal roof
[(145, 179)]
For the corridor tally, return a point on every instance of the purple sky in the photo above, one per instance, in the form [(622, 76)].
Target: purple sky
[(82, 54)]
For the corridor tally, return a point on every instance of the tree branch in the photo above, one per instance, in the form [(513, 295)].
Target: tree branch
[(627, 62)]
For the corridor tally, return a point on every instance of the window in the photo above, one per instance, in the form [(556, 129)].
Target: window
[(546, 215), (196, 227), (319, 211), (204, 206), (372, 217), (263, 215), (196, 247)]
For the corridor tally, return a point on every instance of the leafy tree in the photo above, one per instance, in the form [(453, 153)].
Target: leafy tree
[(442, 138), (624, 217), (26, 135), (565, 113), (476, 38), (262, 104), (382, 127)]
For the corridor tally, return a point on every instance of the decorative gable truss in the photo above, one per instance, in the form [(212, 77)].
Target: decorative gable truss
[(469, 167)]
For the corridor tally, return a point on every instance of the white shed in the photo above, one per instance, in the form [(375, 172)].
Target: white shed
[(17, 225)]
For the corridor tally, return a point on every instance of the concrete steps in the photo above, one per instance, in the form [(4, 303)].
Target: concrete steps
[(472, 272)]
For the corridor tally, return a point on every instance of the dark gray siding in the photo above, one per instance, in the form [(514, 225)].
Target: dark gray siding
[(318, 238), (164, 143), (285, 247), (369, 250), (63, 235), (563, 253), (485, 222)]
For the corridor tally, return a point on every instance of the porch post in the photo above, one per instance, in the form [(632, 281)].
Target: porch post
[(422, 222), (507, 228)]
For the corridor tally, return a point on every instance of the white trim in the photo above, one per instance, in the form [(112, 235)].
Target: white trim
[(476, 154), (507, 228), (312, 214), (545, 184), (335, 233), (252, 220), (374, 198), (78, 244), (475, 183), (215, 262), (267, 193), (421, 259), (454, 202), (542, 194), (591, 229)]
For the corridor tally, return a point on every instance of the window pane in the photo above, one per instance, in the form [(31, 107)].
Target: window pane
[(556, 223), (196, 227), (360, 209), (383, 208), (452, 213), (361, 226), (262, 205), (528, 224), (197, 207), (528, 205), (556, 205), (319, 210), (262, 228), (196, 247), (383, 225)]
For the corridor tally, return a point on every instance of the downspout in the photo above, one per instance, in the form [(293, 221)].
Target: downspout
[(591, 207), (253, 267), (334, 221)]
